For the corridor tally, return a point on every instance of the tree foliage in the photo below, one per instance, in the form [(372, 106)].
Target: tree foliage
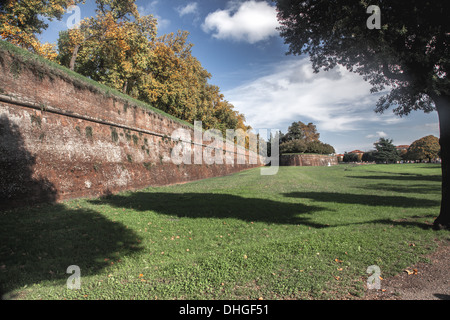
[(350, 157), (302, 138), (22, 20), (119, 48), (369, 156), (426, 148), (408, 56), (386, 152)]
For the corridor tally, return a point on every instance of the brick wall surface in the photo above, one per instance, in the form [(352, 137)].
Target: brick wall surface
[(60, 139), (308, 160)]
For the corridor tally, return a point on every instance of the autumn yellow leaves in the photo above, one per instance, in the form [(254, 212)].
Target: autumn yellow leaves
[(119, 47), (19, 23)]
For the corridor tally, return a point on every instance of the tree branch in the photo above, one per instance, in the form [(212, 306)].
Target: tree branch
[(393, 76)]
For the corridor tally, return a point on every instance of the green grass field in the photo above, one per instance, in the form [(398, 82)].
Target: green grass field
[(305, 233)]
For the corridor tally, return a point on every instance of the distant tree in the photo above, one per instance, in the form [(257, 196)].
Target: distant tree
[(350, 157), (299, 130), (386, 151), (295, 132), (293, 146), (403, 154), (319, 147), (368, 156), (327, 149), (426, 148), (303, 138), (309, 131)]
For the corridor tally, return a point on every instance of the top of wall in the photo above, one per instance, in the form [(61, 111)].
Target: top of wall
[(45, 66)]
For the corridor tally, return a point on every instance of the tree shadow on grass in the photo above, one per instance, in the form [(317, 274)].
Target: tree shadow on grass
[(364, 199), (220, 206), (410, 188), (400, 177), (38, 244), (411, 222)]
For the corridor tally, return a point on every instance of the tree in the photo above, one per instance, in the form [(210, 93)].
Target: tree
[(293, 146), (295, 132), (319, 147), (409, 54), (386, 152), (368, 156), (112, 47), (426, 148), (22, 20), (302, 138), (350, 157), (120, 49), (309, 131), (299, 130), (105, 27)]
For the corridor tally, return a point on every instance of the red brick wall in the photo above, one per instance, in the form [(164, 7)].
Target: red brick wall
[(307, 160), (87, 150)]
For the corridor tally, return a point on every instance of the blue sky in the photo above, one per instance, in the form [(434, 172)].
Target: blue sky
[(237, 42)]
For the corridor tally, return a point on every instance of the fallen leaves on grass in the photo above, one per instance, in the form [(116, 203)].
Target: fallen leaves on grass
[(411, 272)]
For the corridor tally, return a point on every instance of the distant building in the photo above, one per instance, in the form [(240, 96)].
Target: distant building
[(359, 154), (402, 147), (357, 151)]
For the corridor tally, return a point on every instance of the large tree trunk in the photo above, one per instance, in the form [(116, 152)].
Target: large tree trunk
[(74, 57), (443, 108), (125, 87)]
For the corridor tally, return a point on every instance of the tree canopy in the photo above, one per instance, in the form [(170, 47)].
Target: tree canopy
[(408, 56), (386, 151), (22, 20), (303, 138), (426, 148), (120, 48)]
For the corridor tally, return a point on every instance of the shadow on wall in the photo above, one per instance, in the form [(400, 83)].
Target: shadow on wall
[(38, 243), (18, 187)]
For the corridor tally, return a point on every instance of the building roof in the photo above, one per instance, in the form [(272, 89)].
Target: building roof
[(356, 151)]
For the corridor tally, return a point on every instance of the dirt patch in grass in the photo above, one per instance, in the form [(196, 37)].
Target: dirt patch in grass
[(423, 281)]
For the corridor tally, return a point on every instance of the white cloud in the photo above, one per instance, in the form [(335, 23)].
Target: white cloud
[(190, 8), (336, 101), (250, 21), (379, 134)]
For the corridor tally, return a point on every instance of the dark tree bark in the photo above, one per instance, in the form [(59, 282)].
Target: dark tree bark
[(443, 107)]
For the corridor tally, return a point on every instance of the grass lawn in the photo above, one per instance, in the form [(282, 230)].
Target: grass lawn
[(305, 233)]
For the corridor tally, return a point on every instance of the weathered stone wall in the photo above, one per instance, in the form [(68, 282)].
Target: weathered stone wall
[(63, 138), (307, 160)]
